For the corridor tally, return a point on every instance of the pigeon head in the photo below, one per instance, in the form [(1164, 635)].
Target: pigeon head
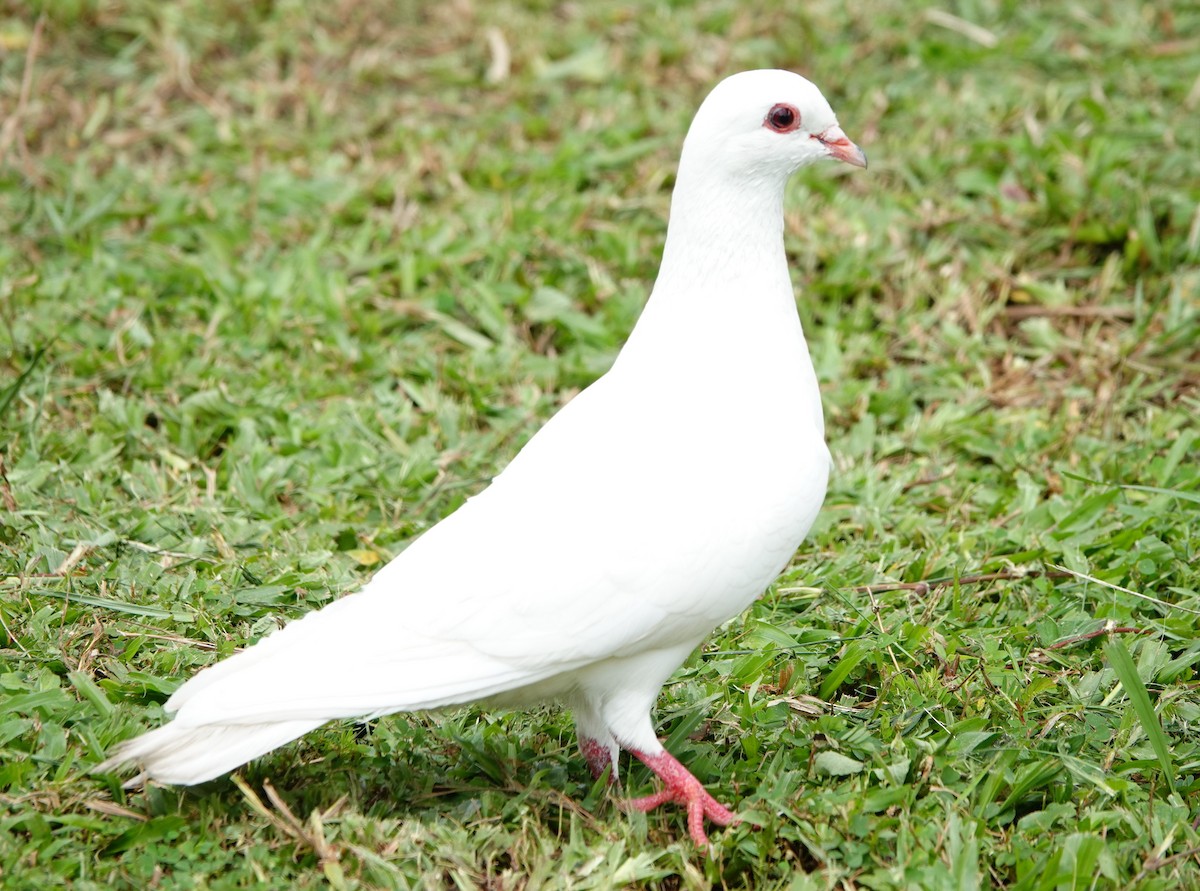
[(766, 124)]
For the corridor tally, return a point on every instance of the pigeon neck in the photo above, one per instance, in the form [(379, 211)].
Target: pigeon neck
[(722, 316), (722, 233), (724, 276)]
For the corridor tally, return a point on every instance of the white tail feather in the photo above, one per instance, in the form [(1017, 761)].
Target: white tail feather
[(183, 755)]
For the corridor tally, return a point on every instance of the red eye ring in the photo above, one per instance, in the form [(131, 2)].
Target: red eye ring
[(782, 118)]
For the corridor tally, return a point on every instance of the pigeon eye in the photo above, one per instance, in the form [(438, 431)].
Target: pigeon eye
[(782, 118)]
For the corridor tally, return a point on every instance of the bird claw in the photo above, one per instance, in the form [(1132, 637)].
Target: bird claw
[(682, 788), (698, 807)]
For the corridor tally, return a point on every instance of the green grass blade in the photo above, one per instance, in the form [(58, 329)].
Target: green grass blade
[(10, 392), (1127, 674), (1183, 494), (90, 691), (855, 653), (119, 606)]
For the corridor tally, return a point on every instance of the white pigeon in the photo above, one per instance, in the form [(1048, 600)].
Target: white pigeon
[(657, 504)]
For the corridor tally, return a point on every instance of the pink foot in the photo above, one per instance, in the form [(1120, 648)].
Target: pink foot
[(685, 789), (598, 757)]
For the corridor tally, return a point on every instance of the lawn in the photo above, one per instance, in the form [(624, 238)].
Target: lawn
[(281, 284)]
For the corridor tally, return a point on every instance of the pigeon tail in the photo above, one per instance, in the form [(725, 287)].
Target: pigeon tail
[(185, 755)]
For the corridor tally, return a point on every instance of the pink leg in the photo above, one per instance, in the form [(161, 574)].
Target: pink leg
[(598, 758), (685, 789)]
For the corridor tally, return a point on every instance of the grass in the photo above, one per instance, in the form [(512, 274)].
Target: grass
[(282, 283)]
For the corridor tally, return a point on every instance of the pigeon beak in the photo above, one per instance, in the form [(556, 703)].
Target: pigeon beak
[(842, 148)]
